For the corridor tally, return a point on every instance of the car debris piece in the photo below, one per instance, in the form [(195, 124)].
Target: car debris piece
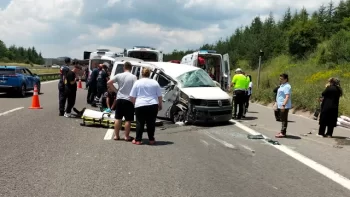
[(274, 142), (337, 146), (255, 137)]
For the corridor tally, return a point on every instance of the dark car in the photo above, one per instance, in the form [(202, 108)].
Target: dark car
[(18, 80)]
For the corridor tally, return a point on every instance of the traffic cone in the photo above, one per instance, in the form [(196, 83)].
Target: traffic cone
[(35, 99), (79, 84)]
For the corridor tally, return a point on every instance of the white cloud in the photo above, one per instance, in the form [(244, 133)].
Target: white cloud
[(111, 3), (69, 27)]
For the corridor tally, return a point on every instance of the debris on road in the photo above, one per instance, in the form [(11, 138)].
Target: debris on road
[(274, 142), (337, 146), (255, 137)]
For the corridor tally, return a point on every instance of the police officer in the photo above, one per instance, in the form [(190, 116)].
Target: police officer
[(239, 87), (61, 87)]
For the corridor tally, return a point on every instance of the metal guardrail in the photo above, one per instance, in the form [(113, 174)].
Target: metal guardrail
[(48, 77), (53, 76)]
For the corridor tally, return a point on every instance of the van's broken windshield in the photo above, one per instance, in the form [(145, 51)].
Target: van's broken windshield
[(196, 78)]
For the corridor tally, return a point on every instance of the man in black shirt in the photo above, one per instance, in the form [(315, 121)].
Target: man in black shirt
[(71, 89), (102, 79), (92, 91), (86, 74), (61, 92)]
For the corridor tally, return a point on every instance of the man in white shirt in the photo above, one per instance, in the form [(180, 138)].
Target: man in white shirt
[(124, 106)]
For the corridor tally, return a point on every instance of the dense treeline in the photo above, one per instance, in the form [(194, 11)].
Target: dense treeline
[(20, 54), (323, 34)]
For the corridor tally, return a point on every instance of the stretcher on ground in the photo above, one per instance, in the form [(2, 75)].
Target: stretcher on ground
[(104, 119)]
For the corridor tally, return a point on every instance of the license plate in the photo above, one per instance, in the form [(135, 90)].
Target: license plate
[(2, 81)]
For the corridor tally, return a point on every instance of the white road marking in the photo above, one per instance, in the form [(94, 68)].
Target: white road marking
[(228, 145), (9, 111), (109, 134), (338, 178), (247, 148), (204, 142), (46, 82)]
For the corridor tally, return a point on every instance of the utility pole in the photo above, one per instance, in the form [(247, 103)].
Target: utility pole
[(259, 68)]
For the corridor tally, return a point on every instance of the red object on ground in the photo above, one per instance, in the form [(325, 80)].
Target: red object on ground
[(79, 84), (35, 99)]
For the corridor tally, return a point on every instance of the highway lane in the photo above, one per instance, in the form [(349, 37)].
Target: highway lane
[(46, 155), (333, 153)]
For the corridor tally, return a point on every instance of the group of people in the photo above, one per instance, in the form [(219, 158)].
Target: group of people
[(329, 106), (241, 85), (141, 98)]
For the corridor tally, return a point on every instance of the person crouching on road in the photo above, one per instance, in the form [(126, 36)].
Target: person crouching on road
[(109, 100), (330, 107), (147, 97), (124, 108), (284, 103), (71, 89), (239, 87), (61, 92)]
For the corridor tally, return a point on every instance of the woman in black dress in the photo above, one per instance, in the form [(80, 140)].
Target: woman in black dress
[(330, 107)]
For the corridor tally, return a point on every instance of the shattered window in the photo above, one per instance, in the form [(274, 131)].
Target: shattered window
[(196, 78)]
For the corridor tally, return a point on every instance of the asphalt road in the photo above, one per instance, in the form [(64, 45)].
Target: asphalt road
[(43, 154)]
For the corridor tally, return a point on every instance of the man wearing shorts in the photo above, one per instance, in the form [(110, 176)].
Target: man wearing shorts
[(124, 108)]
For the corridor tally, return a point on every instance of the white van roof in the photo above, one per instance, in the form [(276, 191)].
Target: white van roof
[(171, 69), (121, 59)]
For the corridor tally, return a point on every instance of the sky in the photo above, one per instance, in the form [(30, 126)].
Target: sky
[(59, 28)]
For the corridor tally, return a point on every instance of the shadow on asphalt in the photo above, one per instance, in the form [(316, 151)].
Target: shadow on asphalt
[(250, 118), (252, 112), (342, 140), (293, 137), (28, 94), (214, 124)]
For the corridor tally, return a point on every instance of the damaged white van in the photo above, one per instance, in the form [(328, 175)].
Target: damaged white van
[(189, 94), (216, 65)]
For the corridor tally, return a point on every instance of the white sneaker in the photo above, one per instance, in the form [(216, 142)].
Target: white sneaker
[(319, 135), (67, 115)]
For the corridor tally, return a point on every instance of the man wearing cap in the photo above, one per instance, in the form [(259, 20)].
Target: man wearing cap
[(239, 86), (61, 91)]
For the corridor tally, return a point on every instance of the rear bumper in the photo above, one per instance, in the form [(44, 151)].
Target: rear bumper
[(203, 114), (6, 88)]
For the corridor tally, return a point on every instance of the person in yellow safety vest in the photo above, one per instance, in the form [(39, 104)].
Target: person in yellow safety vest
[(246, 97), (239, 86)]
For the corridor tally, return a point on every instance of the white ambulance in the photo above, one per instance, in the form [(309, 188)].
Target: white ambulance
[(216, 65), (100, 56), (147, 54)]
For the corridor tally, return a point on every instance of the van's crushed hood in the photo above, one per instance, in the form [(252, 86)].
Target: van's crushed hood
[(206, 93)]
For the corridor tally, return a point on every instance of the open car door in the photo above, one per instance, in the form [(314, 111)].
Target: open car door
[(169, 93), (226, 72)]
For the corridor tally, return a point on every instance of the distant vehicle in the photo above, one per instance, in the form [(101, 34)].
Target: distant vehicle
[(18, 80), (216, 65), (100, 56), (147, 54), (175, 61)]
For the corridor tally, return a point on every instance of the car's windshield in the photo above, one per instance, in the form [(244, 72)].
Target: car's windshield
[(196, 78)]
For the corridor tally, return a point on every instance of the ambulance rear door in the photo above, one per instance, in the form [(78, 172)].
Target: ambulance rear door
[(226, 72)]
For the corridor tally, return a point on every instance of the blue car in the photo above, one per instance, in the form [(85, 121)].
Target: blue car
[(18, 80)]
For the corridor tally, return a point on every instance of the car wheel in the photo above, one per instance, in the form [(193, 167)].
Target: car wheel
[(22, 91)]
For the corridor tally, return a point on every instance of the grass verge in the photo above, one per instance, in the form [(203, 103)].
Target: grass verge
[(307, 78)]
